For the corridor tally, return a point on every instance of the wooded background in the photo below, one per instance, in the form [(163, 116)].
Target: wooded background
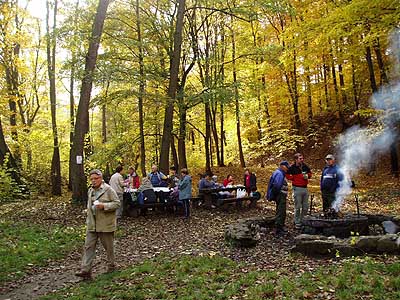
[(184, 83)]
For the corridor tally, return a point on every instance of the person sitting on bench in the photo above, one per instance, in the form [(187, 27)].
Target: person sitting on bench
[(146, 192)]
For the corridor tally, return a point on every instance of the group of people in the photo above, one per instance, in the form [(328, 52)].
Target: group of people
[(104, 207), (104, 201), (209, 181), (299, 174)]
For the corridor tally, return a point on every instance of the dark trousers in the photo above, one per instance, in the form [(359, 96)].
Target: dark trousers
[(327, 200), (280, 215), (186, 207)]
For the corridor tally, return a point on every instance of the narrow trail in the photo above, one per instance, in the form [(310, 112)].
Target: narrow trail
[(147, 237), (161, 233)]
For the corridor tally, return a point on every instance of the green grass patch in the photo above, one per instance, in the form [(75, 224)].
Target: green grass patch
[(26, 245), (214, 277)]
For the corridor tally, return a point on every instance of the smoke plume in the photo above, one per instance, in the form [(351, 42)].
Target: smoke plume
[(358, 147)]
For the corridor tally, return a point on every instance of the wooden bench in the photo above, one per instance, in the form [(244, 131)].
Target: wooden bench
[(132, 208), (238, 201)]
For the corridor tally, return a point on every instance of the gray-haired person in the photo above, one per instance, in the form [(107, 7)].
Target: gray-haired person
[(101, 223)]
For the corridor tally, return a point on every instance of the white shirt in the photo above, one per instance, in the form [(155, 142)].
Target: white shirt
[(117, 183)]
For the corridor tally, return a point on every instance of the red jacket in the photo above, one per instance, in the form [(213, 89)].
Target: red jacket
[(295, 174), (134, 181)]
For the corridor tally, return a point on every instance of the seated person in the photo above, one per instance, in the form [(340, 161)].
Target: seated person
[(146, 192), (173, 178), (228, 180), (206, 182), (157, 178), (133, 178)]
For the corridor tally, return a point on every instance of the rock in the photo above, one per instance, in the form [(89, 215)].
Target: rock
[(367, 243), (389, 243), (314, 247), (390, 227), (309, 237), (242, 235), (345, 249)]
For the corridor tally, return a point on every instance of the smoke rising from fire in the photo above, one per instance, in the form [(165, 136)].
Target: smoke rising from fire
[(358, 147)]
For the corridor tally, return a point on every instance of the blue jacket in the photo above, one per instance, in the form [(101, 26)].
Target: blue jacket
[(157, 179), (205, 184), (277, 184), (330, 178), (185, 188)]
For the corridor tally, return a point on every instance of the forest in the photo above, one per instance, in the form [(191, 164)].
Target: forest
[(210, 86), (186, 83)]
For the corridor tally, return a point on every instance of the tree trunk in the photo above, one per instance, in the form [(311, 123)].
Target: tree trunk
[(174, 154), (172, 88), (370, 64), (215, 132), (72, 104), (208, 136), (51, 68), (326, 90), (221, 106), (79, 183), (182, 136), (379, 59), (308, 88), (6, 156), (142, 85), (237, 106)]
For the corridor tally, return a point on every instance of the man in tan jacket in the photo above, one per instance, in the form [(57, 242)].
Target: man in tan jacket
[(101, 223)]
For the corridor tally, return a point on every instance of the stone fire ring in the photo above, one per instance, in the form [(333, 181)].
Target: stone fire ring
[(323, 236)]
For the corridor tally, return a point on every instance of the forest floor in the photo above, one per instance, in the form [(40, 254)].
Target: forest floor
[(162, 234)]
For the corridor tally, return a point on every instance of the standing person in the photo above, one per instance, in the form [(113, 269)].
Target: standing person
[(117, 184), (250, 181), (277, 191), (185, 191), (299, 173), (157, 178), (133, 178), (330, 178), (101, 223)]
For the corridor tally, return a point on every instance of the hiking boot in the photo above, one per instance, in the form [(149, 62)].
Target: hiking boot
[(84, 275)]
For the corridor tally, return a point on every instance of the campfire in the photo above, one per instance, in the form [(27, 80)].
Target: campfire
[(332, 214)]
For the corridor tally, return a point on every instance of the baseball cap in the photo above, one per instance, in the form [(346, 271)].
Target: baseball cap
[(329, 156), (96, 172), (284, 163)]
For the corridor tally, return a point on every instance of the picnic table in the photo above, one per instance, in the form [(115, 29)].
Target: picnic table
[(210, 196), (132, 208)]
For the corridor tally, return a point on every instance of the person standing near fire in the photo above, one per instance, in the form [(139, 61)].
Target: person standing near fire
[(277, 191), (330, 178), (299, 174)]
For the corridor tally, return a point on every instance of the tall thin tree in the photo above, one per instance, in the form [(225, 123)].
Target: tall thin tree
[(51, 69), (172, 88), (79, 184)]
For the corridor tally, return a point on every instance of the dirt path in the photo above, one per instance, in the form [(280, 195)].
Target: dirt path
[(159, 233), (147, 237)]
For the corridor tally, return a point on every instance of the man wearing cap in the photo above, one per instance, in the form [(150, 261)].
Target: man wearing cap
[(299, 174), (101, 223), (330, 178), (277, 191)]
